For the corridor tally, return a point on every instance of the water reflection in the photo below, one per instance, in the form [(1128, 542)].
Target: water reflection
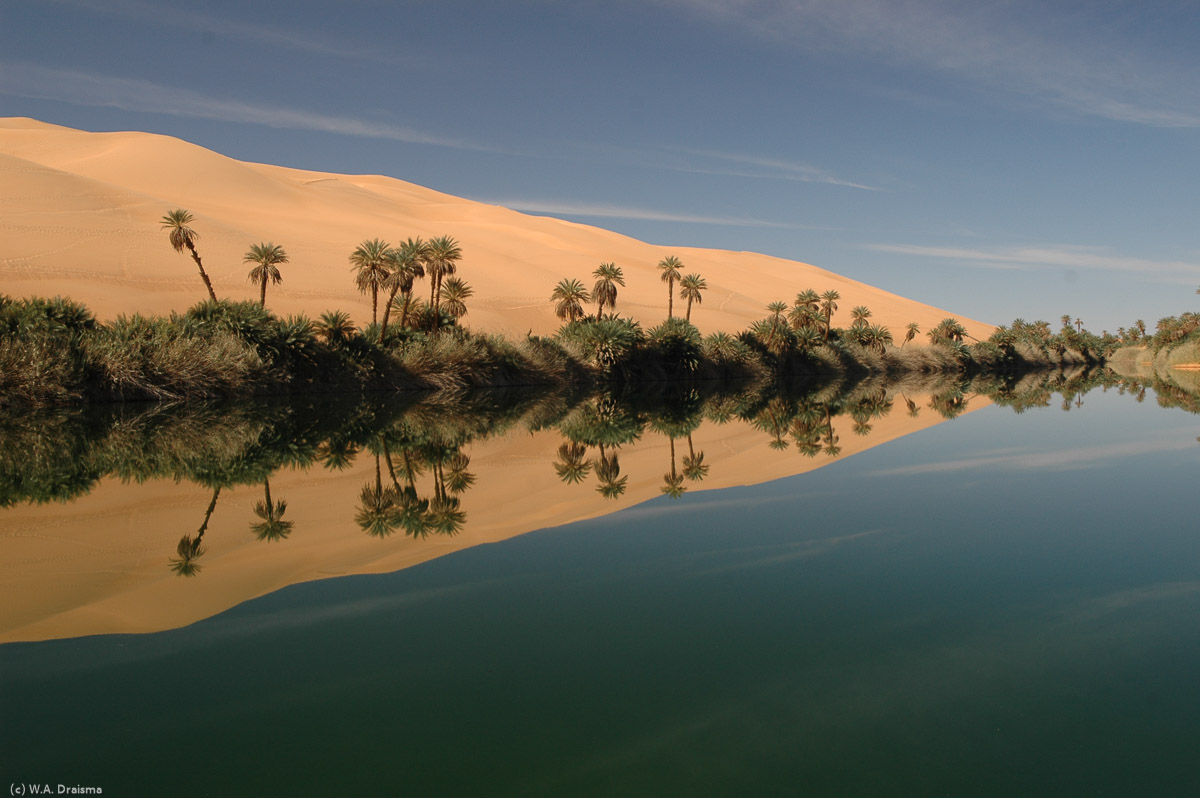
[(379, 484)]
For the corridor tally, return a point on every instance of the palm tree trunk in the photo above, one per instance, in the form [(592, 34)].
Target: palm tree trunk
[(374, 305), (267, 492), (404, 313), (262, 294), (670, 298), (387, 312), (689, 311), (203, 275)]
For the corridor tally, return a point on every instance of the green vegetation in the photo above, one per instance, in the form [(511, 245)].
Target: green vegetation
[(54, 351)]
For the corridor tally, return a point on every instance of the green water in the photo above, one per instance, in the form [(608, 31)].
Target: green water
[(1001, 605)]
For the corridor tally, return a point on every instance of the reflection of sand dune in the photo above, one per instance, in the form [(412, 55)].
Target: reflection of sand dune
[(79, 216), (100, 565)]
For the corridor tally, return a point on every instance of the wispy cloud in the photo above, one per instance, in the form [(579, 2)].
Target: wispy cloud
[(1056, 460), (1053, 255), (1092, 60), (275, 35), (603, 211), (768, 168), (81, 88)]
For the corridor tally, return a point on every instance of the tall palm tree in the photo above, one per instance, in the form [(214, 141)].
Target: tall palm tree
[(669, 268), (828, 306), (266, 259), (455, 292), (442, 255), (272, 526), (371, 261), (407, 265), (690, 288), (604, 292), (181, 235), (569, 296)]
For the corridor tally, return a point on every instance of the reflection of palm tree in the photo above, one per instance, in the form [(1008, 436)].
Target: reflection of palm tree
[(376, 514), (272, 526), (830, 438), (608, 472), (673, 481), (571, 466), (693, 465), (190, 548), (445, 517), (458, 479), (337, 453)]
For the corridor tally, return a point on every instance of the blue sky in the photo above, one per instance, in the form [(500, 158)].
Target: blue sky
[(999, 159)]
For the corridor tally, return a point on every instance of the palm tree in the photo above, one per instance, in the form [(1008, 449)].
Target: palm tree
[(670, 267), (912, 331), (181, 236), (407, 264), (805, 309), (828, 306), (569, 296), (859, 315), (266, 259), (604, 292), (442, 255), (371, 261), (454, 294), (335, 327), (690, 288), (272, 526)]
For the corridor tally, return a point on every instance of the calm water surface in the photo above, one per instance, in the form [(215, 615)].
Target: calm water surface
[(1000, 605)]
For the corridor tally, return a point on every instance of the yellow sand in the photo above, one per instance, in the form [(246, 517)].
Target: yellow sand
[(100, 564), (79, 216)]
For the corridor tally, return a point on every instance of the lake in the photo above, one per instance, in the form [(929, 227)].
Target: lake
[(902, 590)]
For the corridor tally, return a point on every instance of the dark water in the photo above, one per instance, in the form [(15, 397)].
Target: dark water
[(1002, 605)]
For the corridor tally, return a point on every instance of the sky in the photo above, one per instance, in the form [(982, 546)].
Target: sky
[(1000, 159)]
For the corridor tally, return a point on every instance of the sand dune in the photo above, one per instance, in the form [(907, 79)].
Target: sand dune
[(79, 215), (99, 565)]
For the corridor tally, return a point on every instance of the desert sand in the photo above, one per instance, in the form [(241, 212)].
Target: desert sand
[(99, 565), (80, 211)]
